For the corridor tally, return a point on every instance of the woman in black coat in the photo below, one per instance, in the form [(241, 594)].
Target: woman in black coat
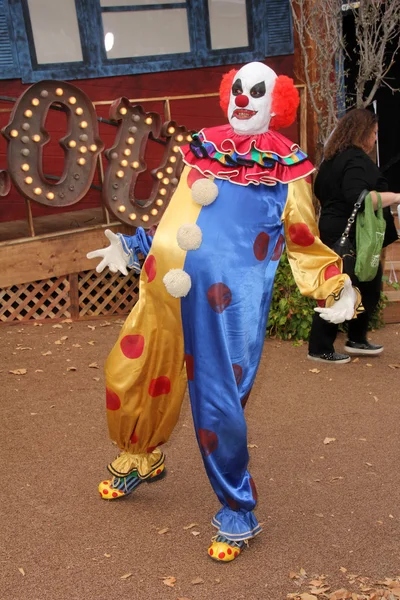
[(345, 172)]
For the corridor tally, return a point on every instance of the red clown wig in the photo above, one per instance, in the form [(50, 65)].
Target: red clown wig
[(285, 99)]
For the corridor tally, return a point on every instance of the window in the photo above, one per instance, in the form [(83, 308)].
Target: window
[(56, 38)]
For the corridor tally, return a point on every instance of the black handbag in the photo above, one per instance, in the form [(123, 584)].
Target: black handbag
[(343, 246)]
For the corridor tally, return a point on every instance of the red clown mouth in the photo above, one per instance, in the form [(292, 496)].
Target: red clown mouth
[(243, 114)]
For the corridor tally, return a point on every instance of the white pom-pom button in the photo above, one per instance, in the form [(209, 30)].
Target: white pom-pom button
[(189, 237), (177, 282), (204, 191)]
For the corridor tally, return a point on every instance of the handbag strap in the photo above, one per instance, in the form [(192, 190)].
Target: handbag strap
[(352, 217)]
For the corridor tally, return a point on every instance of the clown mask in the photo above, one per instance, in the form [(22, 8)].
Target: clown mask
[(249, 109)]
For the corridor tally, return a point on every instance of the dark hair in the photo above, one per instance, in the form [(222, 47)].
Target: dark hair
[(352, 130)]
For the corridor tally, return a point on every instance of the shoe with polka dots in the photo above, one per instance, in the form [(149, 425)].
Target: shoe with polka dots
[(119, 487), (224, 550)]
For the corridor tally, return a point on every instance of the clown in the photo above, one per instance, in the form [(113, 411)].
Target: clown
[(205, 291)]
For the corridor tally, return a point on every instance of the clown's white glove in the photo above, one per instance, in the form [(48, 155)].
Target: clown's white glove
[(342, 309), (113, 256)]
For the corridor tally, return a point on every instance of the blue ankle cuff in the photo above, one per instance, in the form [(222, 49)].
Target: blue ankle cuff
[(236, 525)]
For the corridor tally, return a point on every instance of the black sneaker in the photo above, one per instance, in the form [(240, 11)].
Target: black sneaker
[(363, 348), (330, 357)]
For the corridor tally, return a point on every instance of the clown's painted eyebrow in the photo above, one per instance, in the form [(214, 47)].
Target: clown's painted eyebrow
[(258, 90), (237, 87)]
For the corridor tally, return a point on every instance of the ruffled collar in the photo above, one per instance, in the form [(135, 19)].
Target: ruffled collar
[(265, 158)]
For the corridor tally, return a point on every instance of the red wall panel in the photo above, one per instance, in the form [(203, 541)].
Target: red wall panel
[(194, 114)]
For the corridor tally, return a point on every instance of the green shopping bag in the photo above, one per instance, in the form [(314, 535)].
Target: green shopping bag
[(370, 232)]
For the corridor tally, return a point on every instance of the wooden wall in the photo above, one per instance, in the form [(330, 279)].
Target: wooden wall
[(194, 114)]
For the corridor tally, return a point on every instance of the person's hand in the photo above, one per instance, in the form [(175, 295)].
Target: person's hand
[(112, 257), (342, 309)]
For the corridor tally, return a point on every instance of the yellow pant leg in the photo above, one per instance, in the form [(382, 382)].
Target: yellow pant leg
[(145, 374)]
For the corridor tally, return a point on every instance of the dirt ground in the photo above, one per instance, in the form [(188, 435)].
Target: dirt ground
[(325, 455)]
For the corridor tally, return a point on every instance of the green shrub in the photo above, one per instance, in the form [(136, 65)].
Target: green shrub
[(291, 314)]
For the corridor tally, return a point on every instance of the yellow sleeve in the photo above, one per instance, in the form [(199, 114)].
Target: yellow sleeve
[(316, 268)]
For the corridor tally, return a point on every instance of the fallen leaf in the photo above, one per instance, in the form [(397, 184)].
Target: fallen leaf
[(23, 348), (355, 360), (195, 533), (107, 555), (21, 570), (76, 346), (162, 531), (39, 371), (92, 327), (71, 368), (126, 576), (368, 365), (329, 440), (106, 324), (63, 338), (362, 439), (191, 525), (319, 515), (307, 596), (252, 446), (57, 326), (169, 581), (47, 353), (18, 372), (343, 569), (376, 398), (369, 464), (395, 366), (92, 343), (94, 366), (96, 378), (197, 580), (315, 370)]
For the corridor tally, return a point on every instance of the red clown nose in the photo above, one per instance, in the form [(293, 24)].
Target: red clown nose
[(241, 101)]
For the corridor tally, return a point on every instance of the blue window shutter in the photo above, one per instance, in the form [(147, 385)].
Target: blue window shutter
[(9, 67), (279, 27)]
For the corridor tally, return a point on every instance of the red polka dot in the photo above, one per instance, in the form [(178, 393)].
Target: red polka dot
[(221, 555), (150, 449), (233, 504), (261, 245), (134, 438), (211, 551), (278, 248), (208, 441), (243, 401), (114, 495), (321, 303), (193, 176), (236, 553), (159, 386), (331, 271), (112, 400), (219, 297), (189, 366), (238, 372), (158, 471), (105, 491), (253, 489), (132, 346), (229, 551), (300, 234), (150, 266), (105, 482)]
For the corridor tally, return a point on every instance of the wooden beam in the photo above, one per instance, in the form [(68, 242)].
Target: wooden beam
[(52, 257)]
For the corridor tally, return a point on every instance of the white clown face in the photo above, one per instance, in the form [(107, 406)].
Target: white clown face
[(249, 109)]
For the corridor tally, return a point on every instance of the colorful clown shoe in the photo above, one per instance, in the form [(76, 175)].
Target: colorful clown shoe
[(224, 550), (119, 487)]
